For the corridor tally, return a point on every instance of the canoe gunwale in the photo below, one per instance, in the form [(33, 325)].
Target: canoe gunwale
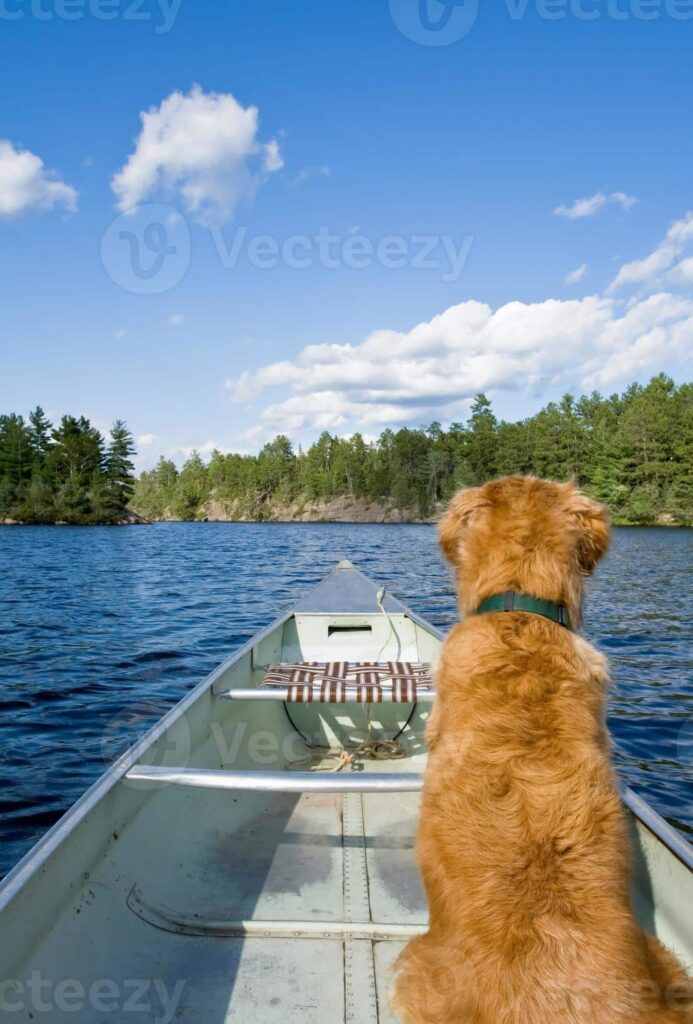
[(35, 859), (658, 826)]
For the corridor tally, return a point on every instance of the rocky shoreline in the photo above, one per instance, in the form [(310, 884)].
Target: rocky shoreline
[(337, 510), (129, 518)]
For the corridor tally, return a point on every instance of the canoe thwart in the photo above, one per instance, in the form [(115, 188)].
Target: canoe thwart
[(279, 782), (288, 694)]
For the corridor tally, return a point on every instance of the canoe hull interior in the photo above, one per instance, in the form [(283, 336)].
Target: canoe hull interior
[(254, 906)]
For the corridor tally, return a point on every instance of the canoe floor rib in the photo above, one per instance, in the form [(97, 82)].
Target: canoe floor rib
[(169, 920)]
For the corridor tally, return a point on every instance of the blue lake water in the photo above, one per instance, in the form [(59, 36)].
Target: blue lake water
[(103, 629)]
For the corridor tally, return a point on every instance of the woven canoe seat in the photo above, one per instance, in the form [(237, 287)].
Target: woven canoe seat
[(334, 682)]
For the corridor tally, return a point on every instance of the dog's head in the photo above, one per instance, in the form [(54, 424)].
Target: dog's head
[(524, 534)]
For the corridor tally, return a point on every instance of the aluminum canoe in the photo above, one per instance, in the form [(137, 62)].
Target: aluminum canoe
[(212, 876)]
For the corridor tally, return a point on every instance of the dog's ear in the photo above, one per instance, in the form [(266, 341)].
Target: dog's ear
[(593, 526), (458, 516)]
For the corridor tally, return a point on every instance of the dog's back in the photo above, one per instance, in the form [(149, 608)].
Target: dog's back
[(522, 841)]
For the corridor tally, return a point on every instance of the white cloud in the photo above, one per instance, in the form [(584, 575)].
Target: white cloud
[(593, 204), (150, 450), (204, 449), (175, 319), (434, 369), (681, 273), (26, 184), (120, 333), (323, 171), (200, 147), (575, 276), (663, 264)]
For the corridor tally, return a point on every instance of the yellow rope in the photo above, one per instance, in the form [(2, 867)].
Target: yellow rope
[(336, 760)]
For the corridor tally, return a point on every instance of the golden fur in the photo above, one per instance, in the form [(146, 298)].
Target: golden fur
[(522, 841)]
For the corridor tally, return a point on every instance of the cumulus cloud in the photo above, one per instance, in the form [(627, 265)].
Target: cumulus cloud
[(201, 148), (323, 171), (433, 370), (437, 366), (594, 204), (575, 276), (144, 440), (25, 183), (664, 264)]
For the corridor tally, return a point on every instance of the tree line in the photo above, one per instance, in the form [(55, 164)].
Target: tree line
[(632, 451), (68, 473)]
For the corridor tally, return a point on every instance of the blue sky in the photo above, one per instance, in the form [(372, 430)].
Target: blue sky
[(364, 134)]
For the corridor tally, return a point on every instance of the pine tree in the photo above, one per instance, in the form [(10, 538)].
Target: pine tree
[(119, 468), (15, 451), (482, 440), (192, 488), (76, 452), (39, 435)]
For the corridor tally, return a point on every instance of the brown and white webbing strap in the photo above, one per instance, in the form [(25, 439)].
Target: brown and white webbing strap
[(335, 682)]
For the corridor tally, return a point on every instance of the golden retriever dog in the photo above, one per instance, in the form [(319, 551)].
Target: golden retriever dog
[(522, 841)]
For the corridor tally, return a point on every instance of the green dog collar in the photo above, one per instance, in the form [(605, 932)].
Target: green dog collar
[(511, 601)]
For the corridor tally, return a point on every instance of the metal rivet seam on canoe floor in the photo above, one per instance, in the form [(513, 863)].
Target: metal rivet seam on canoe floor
[(360, 1005)]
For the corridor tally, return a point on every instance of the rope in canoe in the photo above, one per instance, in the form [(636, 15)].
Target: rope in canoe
[(337, 759)]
